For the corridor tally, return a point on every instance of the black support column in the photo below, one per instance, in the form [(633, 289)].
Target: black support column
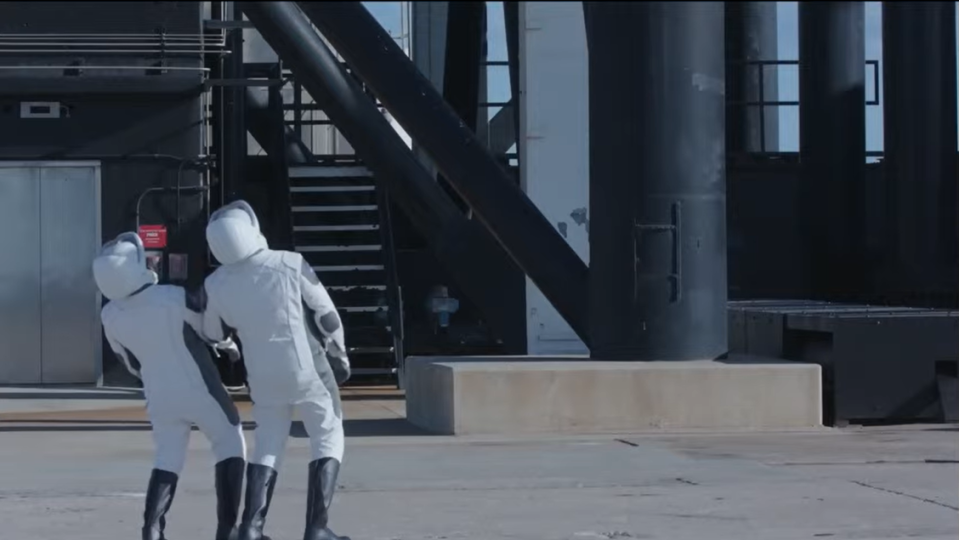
[(234, 121), (751, 36), (832, 146), (919, 109), (475, 262), (259, 123), (497, 202), (657, 180)]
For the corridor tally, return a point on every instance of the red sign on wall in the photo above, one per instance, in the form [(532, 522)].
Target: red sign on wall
[(153, 236)]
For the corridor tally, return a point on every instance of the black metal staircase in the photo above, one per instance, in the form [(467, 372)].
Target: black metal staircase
[(341, 223)]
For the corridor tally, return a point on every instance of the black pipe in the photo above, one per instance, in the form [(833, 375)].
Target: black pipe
[(832, 146), (657, 180), (476, 263), (234, 125), (516, 223), (751, 37), (919, 163), (465, 37), (465, 33), (258, 122)]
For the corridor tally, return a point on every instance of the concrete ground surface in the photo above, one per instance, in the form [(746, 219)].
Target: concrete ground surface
[(74, 464)]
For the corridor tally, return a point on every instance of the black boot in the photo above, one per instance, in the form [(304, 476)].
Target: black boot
[(229, 491), (260, 481), (160, 493), (319, 496)]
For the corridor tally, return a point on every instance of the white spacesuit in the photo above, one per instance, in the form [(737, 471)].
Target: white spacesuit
[(156, 332), (276, 305)]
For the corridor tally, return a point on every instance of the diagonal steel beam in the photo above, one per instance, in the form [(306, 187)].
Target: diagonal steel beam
[(516, 223)]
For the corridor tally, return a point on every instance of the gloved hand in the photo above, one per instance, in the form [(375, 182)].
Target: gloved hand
[(230, 349), (340, 365)]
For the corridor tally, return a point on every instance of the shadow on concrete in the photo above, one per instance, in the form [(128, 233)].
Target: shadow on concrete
[(373, 397), (54, 425), (67, 393), (374, 427), (387, 427)]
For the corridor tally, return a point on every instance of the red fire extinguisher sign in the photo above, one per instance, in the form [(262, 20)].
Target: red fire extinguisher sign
[(153, 236)]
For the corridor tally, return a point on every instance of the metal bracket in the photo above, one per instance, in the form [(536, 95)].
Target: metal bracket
[(676, 277)]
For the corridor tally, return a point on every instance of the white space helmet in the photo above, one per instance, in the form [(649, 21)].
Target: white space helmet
[(233, 233), (120, 268)]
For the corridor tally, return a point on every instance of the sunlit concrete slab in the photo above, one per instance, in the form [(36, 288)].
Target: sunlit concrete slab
[(513, 395)]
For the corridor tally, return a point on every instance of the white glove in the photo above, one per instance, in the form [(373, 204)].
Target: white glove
[(229, 348)]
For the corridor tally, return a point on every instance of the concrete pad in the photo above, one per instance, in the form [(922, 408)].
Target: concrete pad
[(511, 395)]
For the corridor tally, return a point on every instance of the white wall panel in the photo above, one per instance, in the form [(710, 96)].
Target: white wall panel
[(554, 164)]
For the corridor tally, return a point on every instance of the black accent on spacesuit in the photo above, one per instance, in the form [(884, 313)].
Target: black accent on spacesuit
[(211, 378), (134, 362), (160, 492), (260, 482), (319, 496), (196, 300), (330, 322), (309, 317), (229, 492)]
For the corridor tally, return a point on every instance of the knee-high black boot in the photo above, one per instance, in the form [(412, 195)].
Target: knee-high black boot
[(229, 491), (260, 481), (160, 492), (322, 484)]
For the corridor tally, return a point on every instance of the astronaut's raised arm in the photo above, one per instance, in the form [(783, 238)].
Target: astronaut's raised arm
[(126, 357)]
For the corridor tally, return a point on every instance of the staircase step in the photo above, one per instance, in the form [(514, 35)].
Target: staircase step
[(327, 219), (329, 171), (364, 318), (368, 336), (340, 208), (331, 189), (368, 295), (332, 181), (346, 196), (336, 237), (335, 228), (351, 276), (345, 258), (329, 248)]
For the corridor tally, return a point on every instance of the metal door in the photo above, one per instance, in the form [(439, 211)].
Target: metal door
[(20, 316), (70, 305)]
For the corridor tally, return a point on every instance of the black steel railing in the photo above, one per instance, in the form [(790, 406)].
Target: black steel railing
[(762, 103)]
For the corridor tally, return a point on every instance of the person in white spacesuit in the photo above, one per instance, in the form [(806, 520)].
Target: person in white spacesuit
[(277, 307), (156, 332)]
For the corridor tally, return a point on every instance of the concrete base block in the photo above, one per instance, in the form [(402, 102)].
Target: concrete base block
[(512, 395)]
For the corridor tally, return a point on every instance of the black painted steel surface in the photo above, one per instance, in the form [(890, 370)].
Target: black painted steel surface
[(657, 180), (832, 146), (751, 37), (919, 110)]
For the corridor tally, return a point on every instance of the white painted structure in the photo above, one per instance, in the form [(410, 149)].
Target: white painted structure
[(554, 146)]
